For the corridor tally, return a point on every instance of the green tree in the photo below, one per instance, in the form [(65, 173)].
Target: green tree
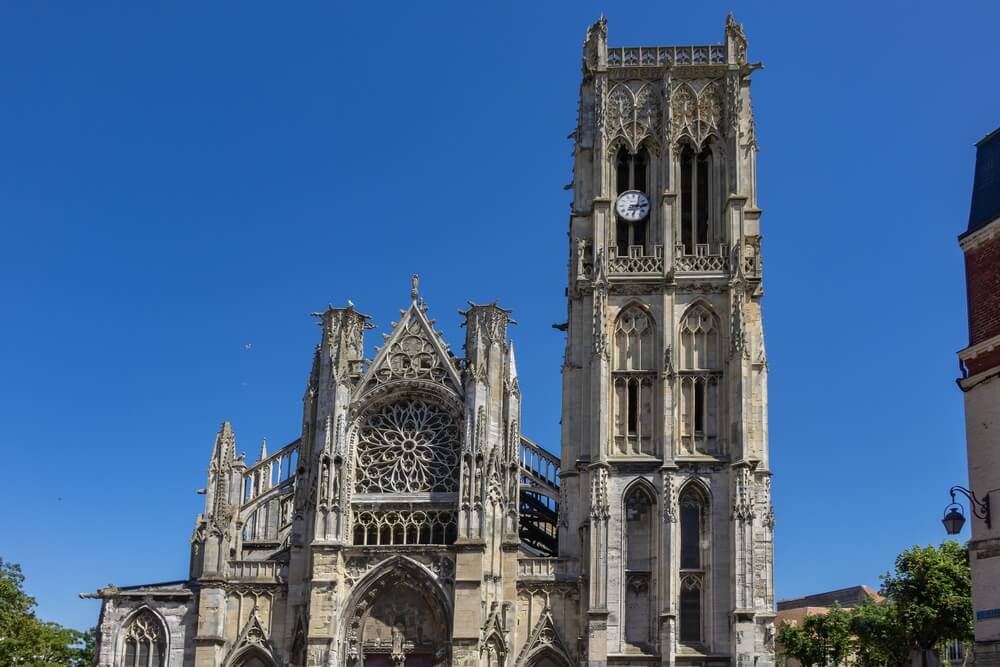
[(880, 639), (932, 592), (27, 640), (819, 640)]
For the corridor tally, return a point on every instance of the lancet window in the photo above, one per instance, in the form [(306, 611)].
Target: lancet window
[(701, 201), (633, 379), (145, 643), (699, 381), (693, 564), (631, 173), (640, 564)]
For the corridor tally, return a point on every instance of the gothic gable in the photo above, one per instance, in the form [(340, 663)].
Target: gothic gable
[(413, 354), (544, 639)]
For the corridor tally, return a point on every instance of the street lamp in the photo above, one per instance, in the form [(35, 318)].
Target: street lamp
[(954, 517)]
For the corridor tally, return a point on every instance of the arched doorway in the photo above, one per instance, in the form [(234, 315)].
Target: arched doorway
[(253, 658), (399, 619)]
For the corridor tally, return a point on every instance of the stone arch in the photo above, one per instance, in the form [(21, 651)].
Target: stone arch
[(697, 484), (547, 656), (145, 611), (251, 656), (695, 542), (635, 337), (494, 652), (699, 337), (639, 557), (400, 614)]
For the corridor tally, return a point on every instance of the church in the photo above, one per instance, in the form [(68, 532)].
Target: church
[(412, 524)]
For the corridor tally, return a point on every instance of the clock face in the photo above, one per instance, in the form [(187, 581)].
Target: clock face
[(632, 206)]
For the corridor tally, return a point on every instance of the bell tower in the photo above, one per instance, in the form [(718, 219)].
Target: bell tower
[(665, 471)]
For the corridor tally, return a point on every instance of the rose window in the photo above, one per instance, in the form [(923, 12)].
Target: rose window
[(410, 446)]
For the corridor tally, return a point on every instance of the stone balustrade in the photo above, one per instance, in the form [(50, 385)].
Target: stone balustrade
[(546, 569), (658, 56), (264, 571)]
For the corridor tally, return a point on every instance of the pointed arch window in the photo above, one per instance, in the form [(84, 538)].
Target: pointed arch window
[(145, 642), (701, 201), (633, 376), (699, 381), (640, 564), (693, 564), (631, 173), (254, 658)]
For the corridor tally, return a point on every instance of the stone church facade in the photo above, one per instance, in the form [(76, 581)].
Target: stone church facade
[(413, 525)]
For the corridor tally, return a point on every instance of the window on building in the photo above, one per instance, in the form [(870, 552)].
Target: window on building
[(690, 608), (631, 173), (640, 564), (700, 202), (633, 381), (699, 382), (693, 556), (145, 642)]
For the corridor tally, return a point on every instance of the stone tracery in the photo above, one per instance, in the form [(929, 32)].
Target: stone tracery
[(633, 112), (145, 644), (409, 446), (695, 115)]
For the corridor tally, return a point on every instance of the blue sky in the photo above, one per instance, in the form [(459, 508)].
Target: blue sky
[(177, 181)]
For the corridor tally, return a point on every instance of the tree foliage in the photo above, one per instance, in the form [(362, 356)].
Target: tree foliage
[(27, 640), (928, 602), (932, 591), (819, 640)]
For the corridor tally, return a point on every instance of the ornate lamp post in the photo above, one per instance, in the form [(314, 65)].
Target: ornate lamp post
[(954, 517)]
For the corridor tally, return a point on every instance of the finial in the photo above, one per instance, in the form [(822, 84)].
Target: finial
[(415, 287)]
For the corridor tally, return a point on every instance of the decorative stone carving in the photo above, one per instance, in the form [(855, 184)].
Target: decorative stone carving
[(145, 637), (400, 615), (411, 357), (601, 346), (632, 112), (695, 113), (734, 101), (743, 500), (544, 638), (600, 507), (406, 447), (737, 331), (668, 507), (736, 37)]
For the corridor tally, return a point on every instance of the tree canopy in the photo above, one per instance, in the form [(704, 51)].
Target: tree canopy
[(27, 640), (928, 602)]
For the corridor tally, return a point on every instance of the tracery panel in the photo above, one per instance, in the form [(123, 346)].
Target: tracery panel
[(633, 387), (409, 446), (699, 382), (145, 644)]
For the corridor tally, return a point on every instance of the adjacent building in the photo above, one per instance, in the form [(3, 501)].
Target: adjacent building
[(980, 382), (413, 524)]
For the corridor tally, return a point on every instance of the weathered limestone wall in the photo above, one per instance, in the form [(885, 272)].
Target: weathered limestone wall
[(177, 619)]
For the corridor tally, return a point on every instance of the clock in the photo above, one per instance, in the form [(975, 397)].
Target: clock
[(632, 206)]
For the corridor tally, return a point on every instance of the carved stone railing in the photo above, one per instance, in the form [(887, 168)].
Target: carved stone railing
[(261, 571), (538, 467), (653, 56), (706, 258), (636, 261), (546, 569), (270, 472)]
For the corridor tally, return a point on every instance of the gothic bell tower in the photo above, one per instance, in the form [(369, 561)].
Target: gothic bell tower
[(666, 482)]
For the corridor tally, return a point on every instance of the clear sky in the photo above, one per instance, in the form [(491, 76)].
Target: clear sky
[(181, 180)]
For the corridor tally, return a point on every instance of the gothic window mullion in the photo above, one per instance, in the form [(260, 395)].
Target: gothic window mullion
[(693, 166)]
